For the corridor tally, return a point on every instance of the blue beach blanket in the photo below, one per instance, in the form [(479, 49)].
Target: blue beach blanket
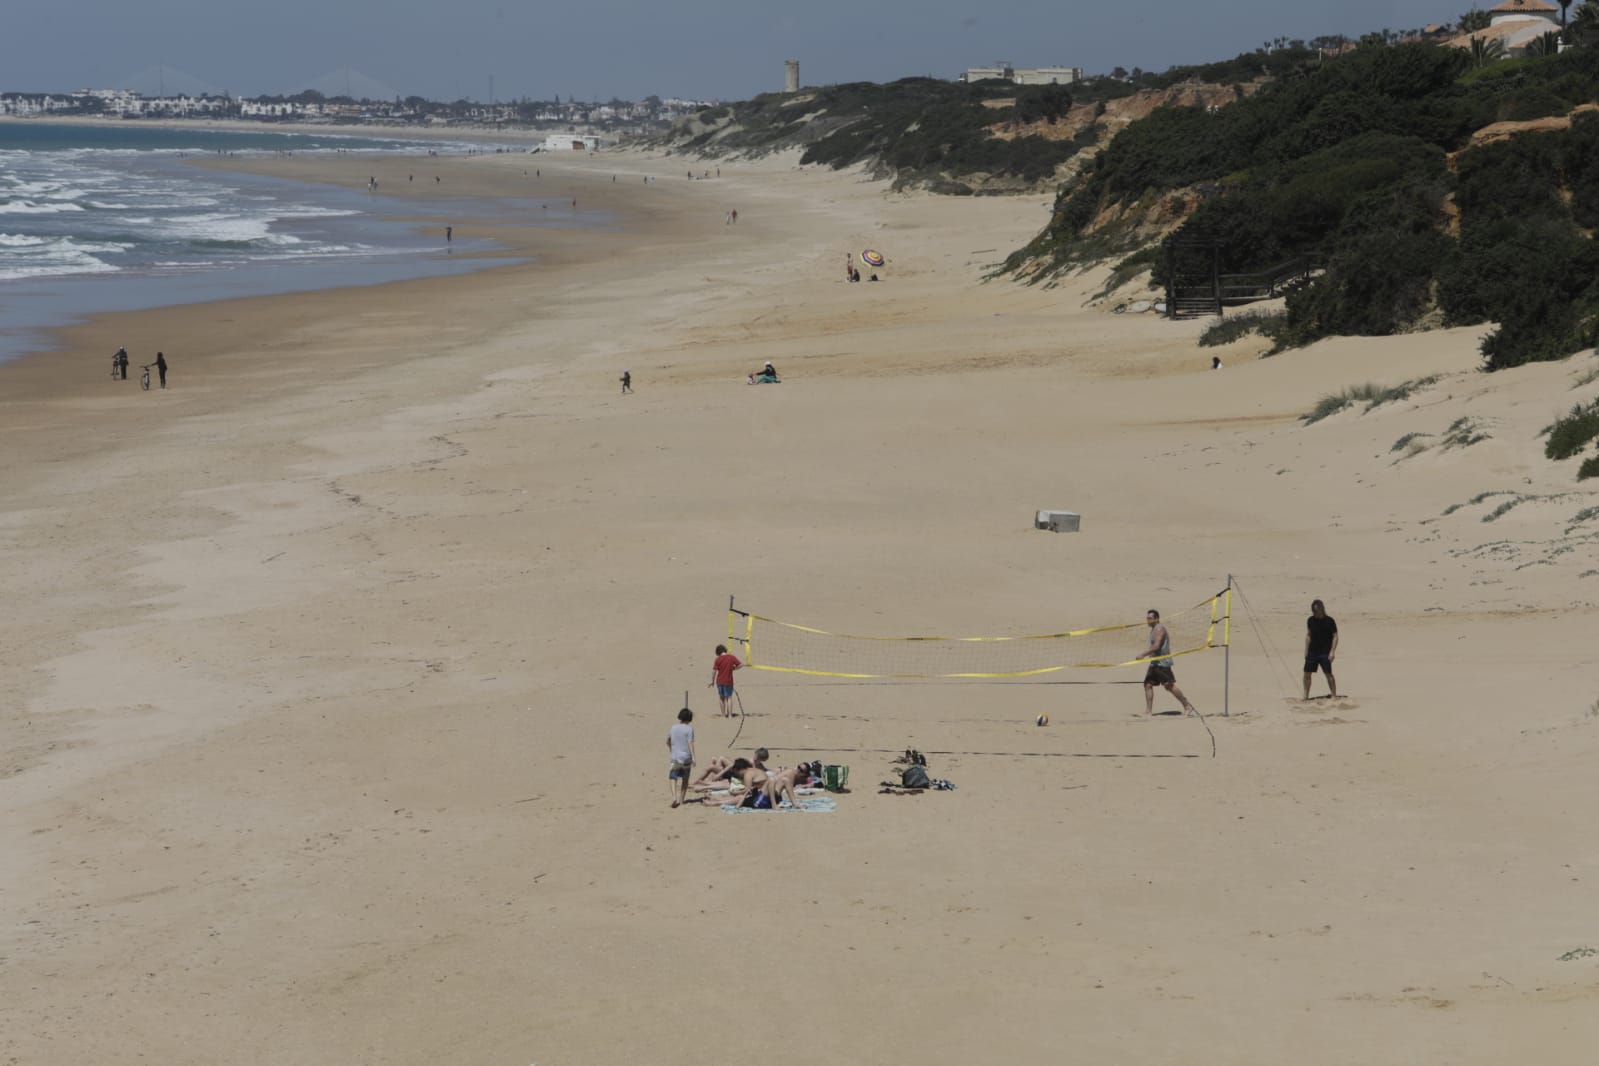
[(806, 803)]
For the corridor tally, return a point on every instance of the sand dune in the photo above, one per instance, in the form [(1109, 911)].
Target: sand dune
[(337, 676)]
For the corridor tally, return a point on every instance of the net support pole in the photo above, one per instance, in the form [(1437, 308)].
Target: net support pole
[(1227, 657)]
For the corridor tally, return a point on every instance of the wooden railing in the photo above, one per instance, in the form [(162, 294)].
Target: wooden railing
[(1198, 292), (1264, 284)]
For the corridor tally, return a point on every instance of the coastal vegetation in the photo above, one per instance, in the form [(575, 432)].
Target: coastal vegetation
[(1371, 395), (1387, 167), (1569, 435), (918, 131), (1233, 327), (989, 136)]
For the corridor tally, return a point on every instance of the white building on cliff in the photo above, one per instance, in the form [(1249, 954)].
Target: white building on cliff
[(1515, 24)]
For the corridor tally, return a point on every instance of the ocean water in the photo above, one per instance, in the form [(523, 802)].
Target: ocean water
[(96, 219)]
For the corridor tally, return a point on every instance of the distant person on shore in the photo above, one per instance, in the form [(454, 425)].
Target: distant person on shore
[(449, 234), (1160, 671), (1215, 362), (680, 742), (627, 382), (722, 677), (1321, 646), (119, 363), (161, 367)]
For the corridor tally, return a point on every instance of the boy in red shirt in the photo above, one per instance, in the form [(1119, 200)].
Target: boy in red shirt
[(722, 677)]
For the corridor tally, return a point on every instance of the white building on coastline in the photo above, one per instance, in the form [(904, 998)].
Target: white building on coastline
[(574, 142), (116, 102), (1003, 71), (34, 103)]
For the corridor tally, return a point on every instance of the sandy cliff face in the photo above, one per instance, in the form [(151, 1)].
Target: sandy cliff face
[(1108, 119)]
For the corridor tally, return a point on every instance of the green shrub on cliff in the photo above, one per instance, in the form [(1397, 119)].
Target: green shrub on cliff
[(1346, 166)]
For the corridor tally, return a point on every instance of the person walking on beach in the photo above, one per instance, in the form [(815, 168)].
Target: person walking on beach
[(119, 363), (1321, 645), (722, 677), (680, 742), (1160, 672), (449, 234), (161, 367), (627, 382)]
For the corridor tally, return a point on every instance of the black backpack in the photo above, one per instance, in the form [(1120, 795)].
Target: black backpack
[(915, 777)]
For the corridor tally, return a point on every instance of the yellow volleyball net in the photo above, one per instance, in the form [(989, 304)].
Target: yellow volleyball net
[(790, 648)]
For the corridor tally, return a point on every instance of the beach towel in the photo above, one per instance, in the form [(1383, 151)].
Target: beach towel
[(807, 804)]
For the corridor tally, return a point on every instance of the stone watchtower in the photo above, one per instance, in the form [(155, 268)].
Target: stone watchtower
[(791, 75)]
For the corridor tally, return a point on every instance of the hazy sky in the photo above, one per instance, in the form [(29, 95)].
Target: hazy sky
[(722, 49)]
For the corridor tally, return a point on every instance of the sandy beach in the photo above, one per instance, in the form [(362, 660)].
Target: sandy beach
[(337, 676)]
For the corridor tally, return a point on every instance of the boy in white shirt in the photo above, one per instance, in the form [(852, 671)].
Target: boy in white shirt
[(680, 740)]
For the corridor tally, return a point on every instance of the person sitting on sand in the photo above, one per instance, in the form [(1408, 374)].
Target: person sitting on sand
[(720, 770), (782, 784), (714, 776), (776, 787), (741, 778), (767, 375)]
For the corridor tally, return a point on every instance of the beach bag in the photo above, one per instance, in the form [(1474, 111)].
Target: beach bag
[(915, 777), (835, 778)]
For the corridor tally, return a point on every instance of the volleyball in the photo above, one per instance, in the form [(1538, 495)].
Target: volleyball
[(1043, 719)]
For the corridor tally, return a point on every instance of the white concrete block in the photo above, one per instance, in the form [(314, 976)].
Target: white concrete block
[(1058, 521)]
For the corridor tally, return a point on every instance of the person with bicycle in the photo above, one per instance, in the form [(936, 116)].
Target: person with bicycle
[(119, 364), (161, 367)]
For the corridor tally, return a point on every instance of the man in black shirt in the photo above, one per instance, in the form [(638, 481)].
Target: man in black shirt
[(1321, 646)]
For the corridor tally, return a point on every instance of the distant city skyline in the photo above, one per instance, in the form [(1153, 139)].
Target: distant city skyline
[(701, 49)]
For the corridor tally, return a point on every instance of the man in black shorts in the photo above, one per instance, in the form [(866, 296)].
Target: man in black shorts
[(1321, 646), (1160, 673)]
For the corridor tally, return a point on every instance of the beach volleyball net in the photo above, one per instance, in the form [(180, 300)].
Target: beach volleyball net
[(790, 648)]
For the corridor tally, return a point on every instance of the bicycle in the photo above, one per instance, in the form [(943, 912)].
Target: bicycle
[(144, 379)]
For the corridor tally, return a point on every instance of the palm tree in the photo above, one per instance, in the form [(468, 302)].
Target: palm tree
[(1474, 20), (1547, 44), (1486, 50), (1585, 27), (1564, 4)]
